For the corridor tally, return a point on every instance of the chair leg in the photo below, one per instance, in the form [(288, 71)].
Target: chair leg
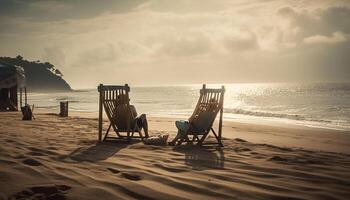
[(128, 138), (184, 138), (115, 129), (107, 132), (195, 138), (132, 132), (187, 139), (200, 142), (181, 140), (217, 138)]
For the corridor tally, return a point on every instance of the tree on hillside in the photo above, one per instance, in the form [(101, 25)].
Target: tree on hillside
[(39, 75), (19, 57), (48, 65), (58, 73)]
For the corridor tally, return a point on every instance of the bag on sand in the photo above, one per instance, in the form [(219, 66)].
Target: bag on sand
[(156, 140), (27, 112)]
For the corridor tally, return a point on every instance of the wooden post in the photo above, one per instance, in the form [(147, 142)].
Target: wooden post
[(221, 112), (61, 109), (25, 95), (100, 109), (20, 97), (128, 125), (16, 96), (67, 109), (64, 109)]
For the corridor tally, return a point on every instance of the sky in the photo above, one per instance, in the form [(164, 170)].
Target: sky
[(162, 42)]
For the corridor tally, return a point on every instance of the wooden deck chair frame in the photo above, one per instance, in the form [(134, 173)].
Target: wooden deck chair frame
[(108, 101), (198, 137)]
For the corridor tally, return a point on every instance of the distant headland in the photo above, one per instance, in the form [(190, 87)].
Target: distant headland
[(40, 76)]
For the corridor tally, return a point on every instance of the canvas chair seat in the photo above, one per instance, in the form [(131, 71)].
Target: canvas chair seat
[(203, 122)]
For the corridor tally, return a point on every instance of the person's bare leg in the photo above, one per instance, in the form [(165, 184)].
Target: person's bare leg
[(182, 127), (144, 124), (177, 137)]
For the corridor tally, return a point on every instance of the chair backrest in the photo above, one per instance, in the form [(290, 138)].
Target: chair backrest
[(116, 102), (210, 102)]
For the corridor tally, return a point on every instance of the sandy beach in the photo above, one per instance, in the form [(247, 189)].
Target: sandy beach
[(267, 82), (60, 158)]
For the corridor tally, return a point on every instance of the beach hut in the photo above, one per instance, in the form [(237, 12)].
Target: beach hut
[(12, 78)]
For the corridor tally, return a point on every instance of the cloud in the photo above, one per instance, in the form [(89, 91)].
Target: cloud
[(317, 22), (336, 18), (55, 10), (184, 46), (149, 41), (286, 12), (240, 42), (98, 55), (186, 6), (334, 38), (55, 55)]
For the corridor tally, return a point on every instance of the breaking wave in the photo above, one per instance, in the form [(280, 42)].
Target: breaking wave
[(274, 115)]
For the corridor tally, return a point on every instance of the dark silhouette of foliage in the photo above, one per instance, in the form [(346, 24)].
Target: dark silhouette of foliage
[(19, 57), (39, 76), (58, 73)]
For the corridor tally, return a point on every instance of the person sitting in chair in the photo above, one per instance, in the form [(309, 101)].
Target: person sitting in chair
[(199, 122), (140, 120)]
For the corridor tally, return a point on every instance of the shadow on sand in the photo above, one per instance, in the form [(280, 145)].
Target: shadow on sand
[(201, 158), (97, 152)]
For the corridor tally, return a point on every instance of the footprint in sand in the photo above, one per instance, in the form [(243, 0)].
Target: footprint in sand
[(10, 141), (241, 149), (43, 192), (239, 140), (114, 171), (34, 153), (31, 162), (20, 156), (52, 148), (278, 159), (132, 177), (42, 151)]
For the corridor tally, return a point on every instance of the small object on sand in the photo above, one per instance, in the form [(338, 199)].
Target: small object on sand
[(27, 112), (64, 108), (156, 140)]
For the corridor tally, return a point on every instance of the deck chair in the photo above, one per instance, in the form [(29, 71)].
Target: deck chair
[(210, 103), (115, 100)]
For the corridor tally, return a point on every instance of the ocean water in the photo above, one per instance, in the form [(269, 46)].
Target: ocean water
[(324, 105)]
